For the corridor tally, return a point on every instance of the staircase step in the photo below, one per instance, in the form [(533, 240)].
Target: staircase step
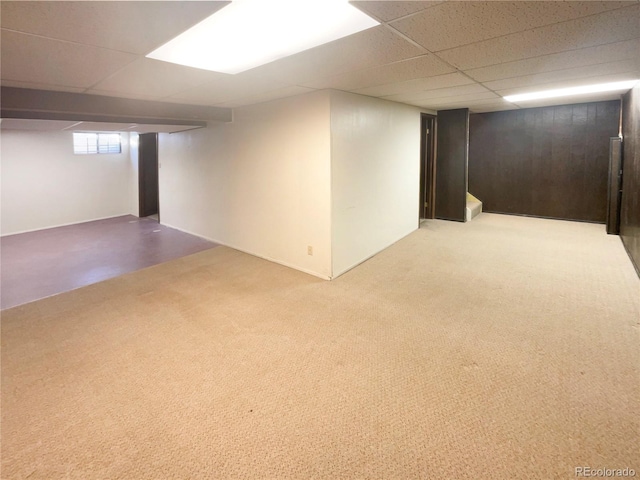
[(474, 207)]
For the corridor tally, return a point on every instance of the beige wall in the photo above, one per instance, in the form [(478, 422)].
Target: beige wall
[(375, 176), (260, 184), (331, 170), (45, 185)]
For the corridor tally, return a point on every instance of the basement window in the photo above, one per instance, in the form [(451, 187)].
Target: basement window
[(90, 143)]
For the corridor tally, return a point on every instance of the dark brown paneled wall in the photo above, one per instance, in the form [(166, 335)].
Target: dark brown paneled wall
[(545, 162), (630, 210), (451, 164)]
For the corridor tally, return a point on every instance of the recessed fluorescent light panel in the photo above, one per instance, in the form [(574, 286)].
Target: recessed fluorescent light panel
[(567, 92), (249, 33)]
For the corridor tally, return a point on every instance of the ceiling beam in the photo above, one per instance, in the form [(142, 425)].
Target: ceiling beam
[(51, 105)]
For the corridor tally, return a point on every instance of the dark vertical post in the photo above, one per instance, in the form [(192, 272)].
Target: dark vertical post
[(148, 174), (452, 164)]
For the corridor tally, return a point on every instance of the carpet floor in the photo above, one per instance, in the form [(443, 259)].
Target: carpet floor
[(504, 348)]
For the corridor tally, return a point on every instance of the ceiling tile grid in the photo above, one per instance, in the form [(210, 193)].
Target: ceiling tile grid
[(142, 78), (418, 67), (139, 26), (38, 59), (392, 91), (387, 11), (626, 50), (576, 82), (609, 27), (453, 24), (433, 54), (578, 75)]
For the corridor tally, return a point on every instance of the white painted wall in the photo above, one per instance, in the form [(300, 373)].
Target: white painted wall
[(260, 184), (45, 185), (375, 180)]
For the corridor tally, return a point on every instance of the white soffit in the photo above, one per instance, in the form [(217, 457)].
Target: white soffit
[(38, 125), (60, 125), (250, 33)]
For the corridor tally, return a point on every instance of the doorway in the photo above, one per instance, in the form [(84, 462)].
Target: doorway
[(148, 191), (427, 166)]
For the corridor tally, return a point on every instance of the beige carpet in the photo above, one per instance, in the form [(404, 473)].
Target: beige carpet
[(507, 348)]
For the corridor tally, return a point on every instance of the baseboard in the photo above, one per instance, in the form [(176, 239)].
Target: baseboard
[(546, 218), (279, 262), (66, 224)]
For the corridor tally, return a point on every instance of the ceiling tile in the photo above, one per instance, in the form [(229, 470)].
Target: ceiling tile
[(451, 102), (140, 26), (471, 89), (469, 98), (40, 60), (387, 11), (373, 47), (559, 61), (580, 74), (453, 24), (399, 90), (227, 89), (266, 96), (148, 77), (423, 66), (609, 27), (575, 82)]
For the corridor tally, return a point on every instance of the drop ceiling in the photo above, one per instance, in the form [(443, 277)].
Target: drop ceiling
[(433, 54)]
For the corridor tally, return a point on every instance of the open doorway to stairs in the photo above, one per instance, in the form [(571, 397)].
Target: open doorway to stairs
[(148, 189), (428, 127)]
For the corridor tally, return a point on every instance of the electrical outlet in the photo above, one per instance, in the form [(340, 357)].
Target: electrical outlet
[(309, 250)]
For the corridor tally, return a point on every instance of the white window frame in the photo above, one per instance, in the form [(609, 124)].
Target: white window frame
[(90, 143)]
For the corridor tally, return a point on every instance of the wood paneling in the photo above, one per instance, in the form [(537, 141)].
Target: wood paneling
[(614, 185), (451, 164), (546, 162), (630, 209)]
